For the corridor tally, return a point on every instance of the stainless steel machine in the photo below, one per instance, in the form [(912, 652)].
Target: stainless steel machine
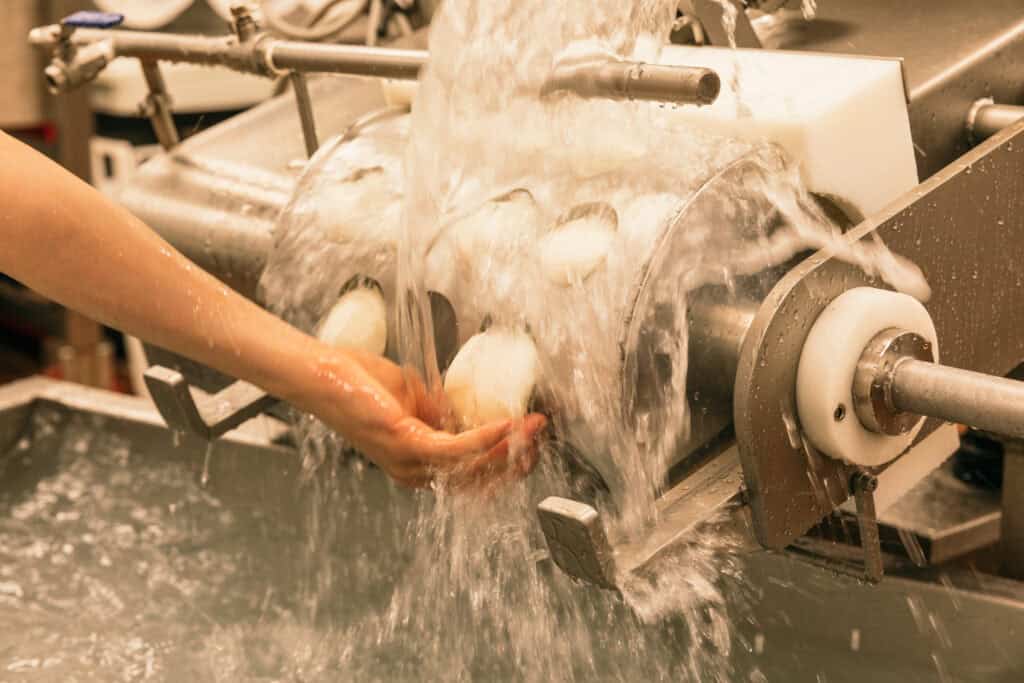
[(758, 463)]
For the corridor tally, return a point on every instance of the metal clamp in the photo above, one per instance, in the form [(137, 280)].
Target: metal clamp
[(208, 416)]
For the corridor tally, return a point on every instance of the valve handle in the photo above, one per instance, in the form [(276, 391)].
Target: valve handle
[(89, 19)]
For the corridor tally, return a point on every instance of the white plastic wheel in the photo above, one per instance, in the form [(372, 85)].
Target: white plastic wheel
[(824, 385)]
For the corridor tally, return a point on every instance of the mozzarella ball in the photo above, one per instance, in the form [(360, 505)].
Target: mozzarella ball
[(358, 321), (492, 377)]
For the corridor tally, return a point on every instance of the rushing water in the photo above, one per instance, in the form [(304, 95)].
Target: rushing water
[(465, 198)]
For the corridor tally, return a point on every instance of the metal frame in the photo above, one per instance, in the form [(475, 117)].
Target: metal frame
[(791, 486)]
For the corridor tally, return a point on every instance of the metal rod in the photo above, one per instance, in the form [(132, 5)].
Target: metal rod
[(345, 59), (987, 118), (306, 118), (157, 106), (989, 403)]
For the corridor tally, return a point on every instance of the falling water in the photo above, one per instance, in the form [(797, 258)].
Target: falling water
[(460, 199)]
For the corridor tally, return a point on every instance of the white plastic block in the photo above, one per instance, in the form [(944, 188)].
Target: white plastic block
[(843, 118)]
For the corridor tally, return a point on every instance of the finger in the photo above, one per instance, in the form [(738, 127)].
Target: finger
[(514, 456), (528, 448), (432, 405), (444, 449)]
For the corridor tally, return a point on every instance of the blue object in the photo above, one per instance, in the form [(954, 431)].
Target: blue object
[(86, 19)]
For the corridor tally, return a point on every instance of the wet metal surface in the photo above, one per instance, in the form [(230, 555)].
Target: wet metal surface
[(956, 226)]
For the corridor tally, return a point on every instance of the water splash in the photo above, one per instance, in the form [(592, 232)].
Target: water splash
[(458, 199)]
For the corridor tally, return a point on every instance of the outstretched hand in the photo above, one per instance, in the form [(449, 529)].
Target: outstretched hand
[(397, 423), (66, 240)]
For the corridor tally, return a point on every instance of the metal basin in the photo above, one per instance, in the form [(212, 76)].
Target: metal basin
[(263, 574)]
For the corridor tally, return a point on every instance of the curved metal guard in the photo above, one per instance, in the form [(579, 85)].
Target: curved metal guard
[(208, 416)]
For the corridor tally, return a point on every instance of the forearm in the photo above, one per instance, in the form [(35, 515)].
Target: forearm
[(65, 240)]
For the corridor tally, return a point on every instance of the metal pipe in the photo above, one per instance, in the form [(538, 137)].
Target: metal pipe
[(306, 117), (987, 118), (268, 56), (636, 81), (982, 401), (262, 55), (354, 60), (171, 47)]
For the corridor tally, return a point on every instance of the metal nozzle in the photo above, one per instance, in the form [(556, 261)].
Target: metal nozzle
[(636, 81)]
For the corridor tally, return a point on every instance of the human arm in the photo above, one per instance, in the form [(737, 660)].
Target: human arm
[(67, 241)]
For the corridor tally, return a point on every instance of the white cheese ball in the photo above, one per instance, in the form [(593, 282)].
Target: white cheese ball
[(496, 226), (492, 377), (573, 251), (399, 93), (358, 321)]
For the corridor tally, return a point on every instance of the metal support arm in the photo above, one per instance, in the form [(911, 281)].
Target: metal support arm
[(205, 416)]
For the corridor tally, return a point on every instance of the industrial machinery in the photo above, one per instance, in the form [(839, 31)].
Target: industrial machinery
[(825, 397)]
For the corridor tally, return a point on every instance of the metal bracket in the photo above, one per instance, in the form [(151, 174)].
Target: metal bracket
[(157, 105), (579, 543), (1011, 542), (208, 416), (305, 106), (577, 540), (864, 485)]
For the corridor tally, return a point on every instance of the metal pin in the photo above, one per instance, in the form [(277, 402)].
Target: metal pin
[(305, 107)]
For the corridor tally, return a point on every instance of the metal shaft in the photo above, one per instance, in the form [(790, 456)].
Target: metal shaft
[(346, 59), (982, 401), (986, 118)]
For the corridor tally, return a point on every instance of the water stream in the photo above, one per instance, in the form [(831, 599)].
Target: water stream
[(465, 198)]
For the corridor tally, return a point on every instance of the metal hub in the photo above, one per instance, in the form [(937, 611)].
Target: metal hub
[(873, 380)]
